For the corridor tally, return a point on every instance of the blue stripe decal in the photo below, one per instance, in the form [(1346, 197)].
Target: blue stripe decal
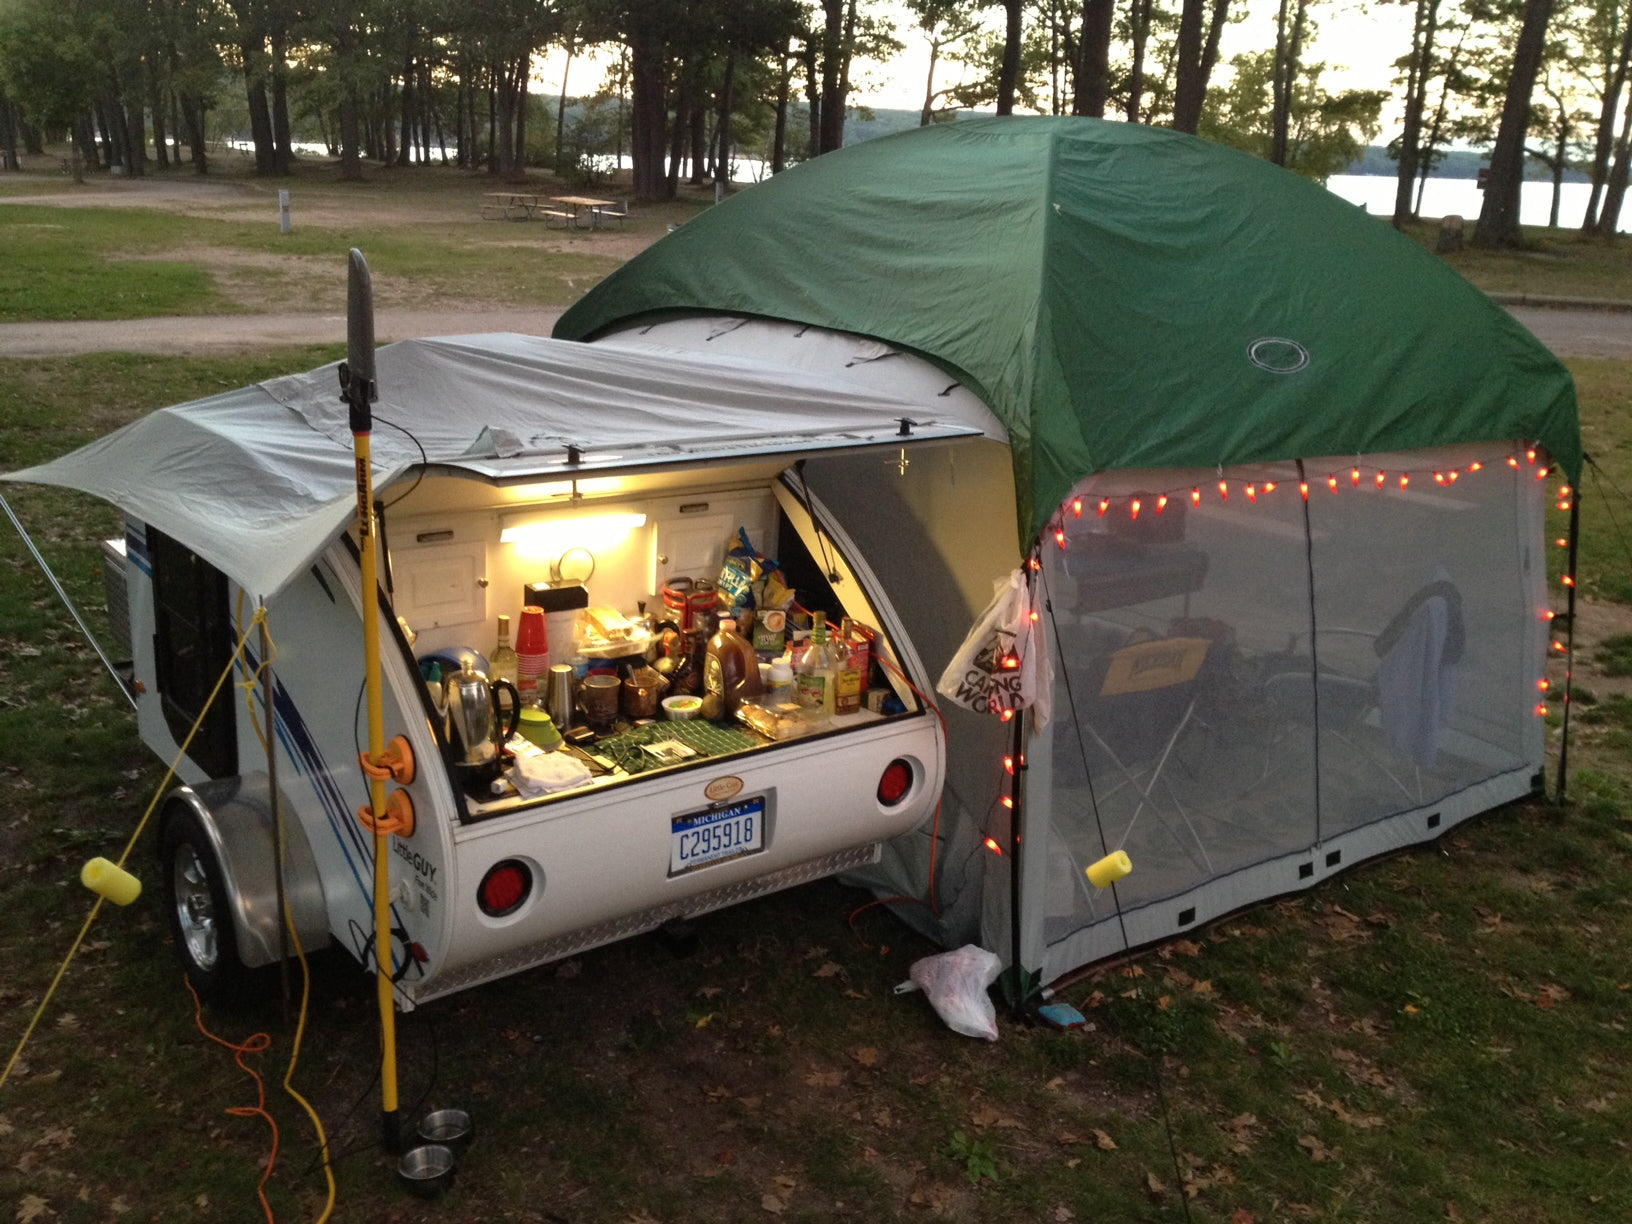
[(301, 746)]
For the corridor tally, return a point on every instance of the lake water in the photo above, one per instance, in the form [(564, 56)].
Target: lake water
[(1444, 197)]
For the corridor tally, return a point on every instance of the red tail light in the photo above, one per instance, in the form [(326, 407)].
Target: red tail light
[(504, 888), (895, 783)]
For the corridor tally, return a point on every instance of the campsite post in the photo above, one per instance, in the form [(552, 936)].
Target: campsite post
[(358, 389)]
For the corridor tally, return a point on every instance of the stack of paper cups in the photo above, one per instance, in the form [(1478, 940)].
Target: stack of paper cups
[(532, 655)]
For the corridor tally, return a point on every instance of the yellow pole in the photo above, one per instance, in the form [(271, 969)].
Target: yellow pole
[(358, 389), (367, 542)]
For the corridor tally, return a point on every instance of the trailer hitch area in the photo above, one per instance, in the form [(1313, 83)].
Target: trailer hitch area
[(396, 763), (398, 818)]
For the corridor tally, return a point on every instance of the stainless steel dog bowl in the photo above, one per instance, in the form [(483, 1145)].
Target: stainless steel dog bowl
[(427, 1169), (448, 1127)]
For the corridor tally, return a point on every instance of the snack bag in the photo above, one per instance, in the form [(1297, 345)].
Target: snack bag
[(742, 569)]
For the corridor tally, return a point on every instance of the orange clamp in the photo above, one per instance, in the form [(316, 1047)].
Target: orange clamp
[(396, 763), (398, 819)]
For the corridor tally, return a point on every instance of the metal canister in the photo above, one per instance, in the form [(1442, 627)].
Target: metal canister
[(562, 692)]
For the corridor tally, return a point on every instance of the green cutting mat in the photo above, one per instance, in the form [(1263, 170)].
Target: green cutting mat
[(704, 737)]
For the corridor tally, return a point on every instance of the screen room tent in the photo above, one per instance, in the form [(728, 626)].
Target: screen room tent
[(1278, 476)]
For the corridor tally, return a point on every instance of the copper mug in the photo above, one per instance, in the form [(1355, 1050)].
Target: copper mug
[(642, 691)]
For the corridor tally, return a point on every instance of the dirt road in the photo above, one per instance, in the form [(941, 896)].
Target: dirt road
[(200, 335)]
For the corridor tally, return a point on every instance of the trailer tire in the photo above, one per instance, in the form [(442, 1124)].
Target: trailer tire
[(198, 912)]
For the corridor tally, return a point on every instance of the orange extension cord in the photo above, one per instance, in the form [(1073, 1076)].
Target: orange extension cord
[(255, 1043)]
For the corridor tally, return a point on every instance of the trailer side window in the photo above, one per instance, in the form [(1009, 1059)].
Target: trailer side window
[(192, 642)]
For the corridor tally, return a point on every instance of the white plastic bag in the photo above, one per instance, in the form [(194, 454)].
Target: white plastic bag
[(955, 983), (980, 674)]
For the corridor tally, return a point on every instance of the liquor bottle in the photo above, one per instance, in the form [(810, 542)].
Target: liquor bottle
[(847, 681), (504, 663), (816, 678)]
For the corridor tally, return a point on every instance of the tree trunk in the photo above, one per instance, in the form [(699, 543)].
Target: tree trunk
[(260, 115), (1093, 82), (1615, 188), (926, 115), (561, 109), (1288, 53), (405, 115), (1139, 17), (835, 52), (722, 130), (1416, 98), (784, 94), (1604, 145), (1498, 224), (8, 136), (1190, 89), (283, 144), (523, 73), (1008, 76), (648, 116)]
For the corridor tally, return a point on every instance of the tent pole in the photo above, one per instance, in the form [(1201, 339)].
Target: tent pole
[(1017, 794), (1561, 790)]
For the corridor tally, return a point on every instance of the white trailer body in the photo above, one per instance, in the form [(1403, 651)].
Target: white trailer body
[(488, 884)]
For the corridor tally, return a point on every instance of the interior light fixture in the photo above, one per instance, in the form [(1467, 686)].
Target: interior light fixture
[(589, 531)]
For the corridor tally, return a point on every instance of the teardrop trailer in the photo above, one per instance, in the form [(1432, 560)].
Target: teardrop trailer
[(1038, 343)]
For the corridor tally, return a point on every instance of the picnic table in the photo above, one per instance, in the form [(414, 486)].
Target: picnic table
[(510, 205), (584, 212)]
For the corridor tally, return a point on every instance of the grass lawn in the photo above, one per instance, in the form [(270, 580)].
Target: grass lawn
[(1441, 1035)]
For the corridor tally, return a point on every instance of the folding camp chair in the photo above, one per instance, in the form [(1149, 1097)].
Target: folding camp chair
[(1406, 695), (1142, 697)]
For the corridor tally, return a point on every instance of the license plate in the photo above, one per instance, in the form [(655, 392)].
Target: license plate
[(699, 839)]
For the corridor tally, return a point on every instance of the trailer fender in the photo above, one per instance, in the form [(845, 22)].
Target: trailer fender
[(236, 815)]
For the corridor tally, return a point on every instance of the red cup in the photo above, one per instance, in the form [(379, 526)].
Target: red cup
[(532, 655)]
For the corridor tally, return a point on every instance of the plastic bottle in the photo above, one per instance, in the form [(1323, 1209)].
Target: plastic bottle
[(504, 662), (816, 677), (780, 689), (731, 668)]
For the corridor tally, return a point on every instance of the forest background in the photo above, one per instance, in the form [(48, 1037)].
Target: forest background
[(683, 92)]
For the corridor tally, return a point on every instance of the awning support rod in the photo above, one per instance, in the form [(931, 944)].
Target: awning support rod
[(68, 603)]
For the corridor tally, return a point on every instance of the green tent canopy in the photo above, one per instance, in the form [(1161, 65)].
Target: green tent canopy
[(1121, 296)]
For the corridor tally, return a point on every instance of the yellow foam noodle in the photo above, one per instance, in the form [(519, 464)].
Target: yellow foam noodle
[(1109, 869), (107, 880)]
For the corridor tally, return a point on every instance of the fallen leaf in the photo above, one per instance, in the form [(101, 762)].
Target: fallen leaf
[(33, 1207), (706, 1019), (725, 1158), (865, 1056), (1103, 1141), (709, 992), (1154, 1187), (59, 1137), (1203, 987), (784, 1183), (824, 1079), (1242, 1216), (717, 1093), (773, 1204), (828, 969), (1318, 1151), (1063, 1214)]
